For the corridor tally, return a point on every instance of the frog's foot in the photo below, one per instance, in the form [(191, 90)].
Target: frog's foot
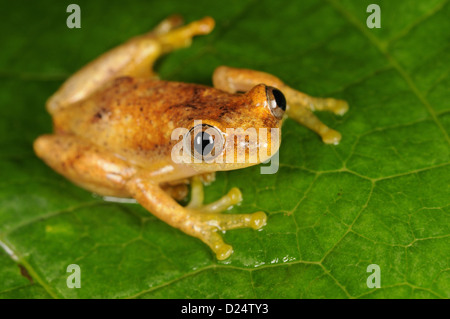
[(182, 36), (302, 105), (331, 136), (338, 107), (168, 24), (202, 222), (207, 219), (304, 116), (206, 227)]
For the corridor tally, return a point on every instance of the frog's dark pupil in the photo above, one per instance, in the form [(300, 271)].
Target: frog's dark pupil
[(280, 99), (203, 143)]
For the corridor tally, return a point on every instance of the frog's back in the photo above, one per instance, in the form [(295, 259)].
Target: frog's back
[(139, 115)]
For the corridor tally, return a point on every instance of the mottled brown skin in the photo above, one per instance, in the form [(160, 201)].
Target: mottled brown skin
[(113, 122), (134, 117)]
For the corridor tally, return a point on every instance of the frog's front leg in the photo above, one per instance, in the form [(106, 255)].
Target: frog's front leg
[(299, 105), (97, 170), (233, 197), (203, 222)]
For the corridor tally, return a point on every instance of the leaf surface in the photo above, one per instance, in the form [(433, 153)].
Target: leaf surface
[(380, 197)]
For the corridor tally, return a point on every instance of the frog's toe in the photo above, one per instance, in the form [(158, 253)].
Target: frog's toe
[(224, 252), (341, 107), (233, 197), (204, 26), (331, 137), (235, 221), (225, 222), (207, 221), (207, 227), (212, 213), (168, 24), (199, 27), (255, 220), (258, 220), (218, 246)]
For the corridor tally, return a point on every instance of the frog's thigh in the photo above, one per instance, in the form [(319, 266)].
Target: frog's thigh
[(85, 164)]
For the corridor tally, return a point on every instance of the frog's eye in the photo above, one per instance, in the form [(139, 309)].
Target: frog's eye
[(277, 102), (205, 142)]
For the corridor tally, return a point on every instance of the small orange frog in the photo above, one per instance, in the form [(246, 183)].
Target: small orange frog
[(113, 121)]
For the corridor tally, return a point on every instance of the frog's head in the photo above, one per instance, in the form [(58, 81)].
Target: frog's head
[(245, 132)]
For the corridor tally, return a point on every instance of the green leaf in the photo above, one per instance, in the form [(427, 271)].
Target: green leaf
[(380, 197)]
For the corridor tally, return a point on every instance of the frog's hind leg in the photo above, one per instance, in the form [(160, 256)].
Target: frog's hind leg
[(85, 164), (300, 105), (167, 25), (134, 58), (91, 167), (203, 222)]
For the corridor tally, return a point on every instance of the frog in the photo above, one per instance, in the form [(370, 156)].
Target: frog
[(113, 122)]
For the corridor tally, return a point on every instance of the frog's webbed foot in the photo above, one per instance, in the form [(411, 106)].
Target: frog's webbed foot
[(301, 107), (207, 226), (203, 222), (172, 37), (209, 217)]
